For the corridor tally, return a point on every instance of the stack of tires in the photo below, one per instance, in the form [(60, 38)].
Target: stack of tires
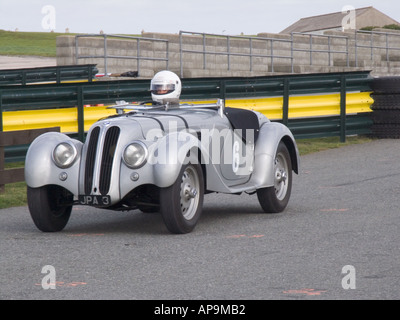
[(386, 107)]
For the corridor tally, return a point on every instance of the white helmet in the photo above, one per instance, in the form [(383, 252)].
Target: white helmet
[(166, 87)]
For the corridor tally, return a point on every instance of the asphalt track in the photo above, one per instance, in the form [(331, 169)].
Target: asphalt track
[(19, 62), (344, 211)]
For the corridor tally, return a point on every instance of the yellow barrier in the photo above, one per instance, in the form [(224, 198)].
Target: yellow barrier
[(66, 118), (307, 106), (299, 107)]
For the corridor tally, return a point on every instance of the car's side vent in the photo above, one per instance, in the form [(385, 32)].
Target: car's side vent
[(110, 144), (90, 159)]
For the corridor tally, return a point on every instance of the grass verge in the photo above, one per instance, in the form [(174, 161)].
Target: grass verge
[(307, 146), (28, 43), (15, 193), (31, 43)]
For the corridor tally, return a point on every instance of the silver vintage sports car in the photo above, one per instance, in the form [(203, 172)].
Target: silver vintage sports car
[(161, 157)]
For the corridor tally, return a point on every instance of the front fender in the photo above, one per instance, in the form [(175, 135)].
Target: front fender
[(165, 159), (170, 153), (271, 134), (40, 169)]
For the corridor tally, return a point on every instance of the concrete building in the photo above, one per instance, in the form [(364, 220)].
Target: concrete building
[(338, 21)]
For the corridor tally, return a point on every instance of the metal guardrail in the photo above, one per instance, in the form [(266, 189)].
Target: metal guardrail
[(270, 52), (228, 51), (57, 74), (329, 51), (387, 48), (323, 44), (330, 126), (105, 56), (300, 106)]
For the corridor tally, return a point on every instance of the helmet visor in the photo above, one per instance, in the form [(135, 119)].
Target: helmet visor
[(160, 89)]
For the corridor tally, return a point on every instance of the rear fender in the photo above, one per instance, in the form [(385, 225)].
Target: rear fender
[(271, 134)]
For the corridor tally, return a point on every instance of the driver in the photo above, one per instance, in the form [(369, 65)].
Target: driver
[(166, 88)]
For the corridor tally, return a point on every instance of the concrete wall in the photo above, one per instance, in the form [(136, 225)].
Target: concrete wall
[(94, 46), (197, 64)]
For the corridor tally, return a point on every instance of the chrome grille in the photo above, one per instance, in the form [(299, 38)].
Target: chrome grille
[(110, 144), (90, 159), (107, 158)]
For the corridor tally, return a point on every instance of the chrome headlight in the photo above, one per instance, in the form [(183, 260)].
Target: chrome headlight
[(135, 155), (64, 154)]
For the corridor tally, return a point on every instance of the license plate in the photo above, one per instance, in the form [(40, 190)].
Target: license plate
[(95, 200)]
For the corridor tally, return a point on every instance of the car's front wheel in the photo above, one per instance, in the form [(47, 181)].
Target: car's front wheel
[(50, 207), (181, 204), (275, 199)]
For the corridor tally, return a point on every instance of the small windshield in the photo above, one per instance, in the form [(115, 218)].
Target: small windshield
[(162, 88)]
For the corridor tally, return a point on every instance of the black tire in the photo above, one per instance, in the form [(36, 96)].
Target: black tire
[(386, 131), (276, 198), (45, 207), (386, 85), (386, 116), (386, 102), (180, 204)]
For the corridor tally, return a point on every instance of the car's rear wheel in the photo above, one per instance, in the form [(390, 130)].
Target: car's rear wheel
[(181, 204), (275, 199), (50, 207)]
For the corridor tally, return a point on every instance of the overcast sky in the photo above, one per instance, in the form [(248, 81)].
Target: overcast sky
[(132, 16)]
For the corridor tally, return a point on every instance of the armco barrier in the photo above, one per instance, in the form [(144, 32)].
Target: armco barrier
[(338, 100), (46, 74), (300, 107)]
